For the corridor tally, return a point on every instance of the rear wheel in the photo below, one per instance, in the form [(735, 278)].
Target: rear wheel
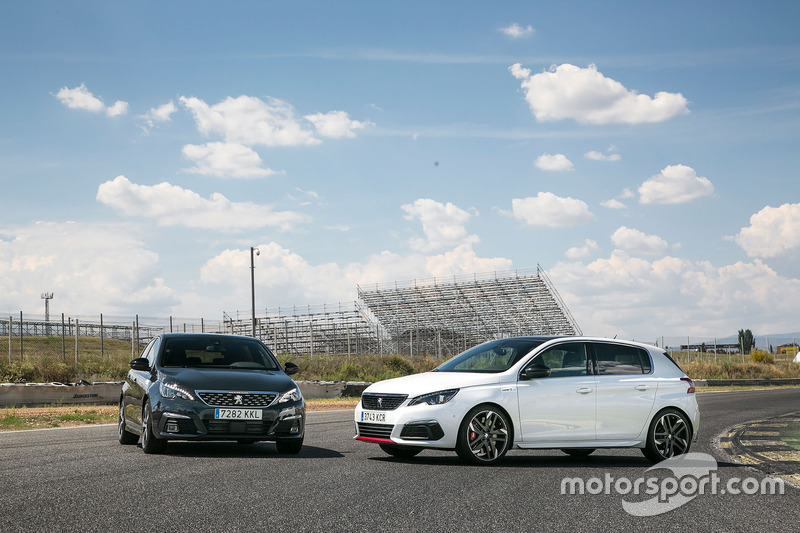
[(484, 436), (669, 435), (150, 444), (125, 436), (578, 452), (289, 446), (401, 452)]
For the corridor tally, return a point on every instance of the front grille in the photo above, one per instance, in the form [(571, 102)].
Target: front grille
[(237, 399), (237, 427), (375, 431), (382, 402)]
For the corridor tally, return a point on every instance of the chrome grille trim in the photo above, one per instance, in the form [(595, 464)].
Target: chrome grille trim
[(250, 399), (382, 402)]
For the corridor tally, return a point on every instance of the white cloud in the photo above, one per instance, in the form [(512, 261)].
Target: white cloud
[(580, 252), (81, 98), (547, 209), (515, 31), (336, 124), (287, 277), (443, 225), (225, 160), (171, 205), (158, 115), (585, 95), (773, 232), (249, 120), (613, 204), (600, 156), (675, 184), (635, 241), (555, 163), (100, 268), (635, 298)]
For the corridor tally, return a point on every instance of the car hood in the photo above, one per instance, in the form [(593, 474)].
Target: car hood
[(243, 380), (428, 382)]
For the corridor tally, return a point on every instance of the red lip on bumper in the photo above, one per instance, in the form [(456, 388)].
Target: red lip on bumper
[(370, 439)]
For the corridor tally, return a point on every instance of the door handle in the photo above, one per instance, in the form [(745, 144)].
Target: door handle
[(584, 390), (642, 387)]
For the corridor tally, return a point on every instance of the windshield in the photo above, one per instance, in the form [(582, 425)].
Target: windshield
[(216, 352), (491, 357)]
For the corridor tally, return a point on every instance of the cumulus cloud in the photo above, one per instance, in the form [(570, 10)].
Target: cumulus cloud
[(555, 163), (158, 115), (81, 98), (442, 224), (676, 184), (336, 124), (515, 31), (773, 232), (585, 95), (171, 205), (249, 120), (547, 209), (288, 277), (226, 160), (635, 298), (579, 252), (96, 267), (613, 204), (600, 156), (635, 241)]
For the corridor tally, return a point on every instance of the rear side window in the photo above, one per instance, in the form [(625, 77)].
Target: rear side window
[(620, 359)]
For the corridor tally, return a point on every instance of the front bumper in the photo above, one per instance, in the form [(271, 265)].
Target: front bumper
[(194, 420), (426, 426)]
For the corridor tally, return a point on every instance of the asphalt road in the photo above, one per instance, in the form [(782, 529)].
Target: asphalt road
[(82, 479)]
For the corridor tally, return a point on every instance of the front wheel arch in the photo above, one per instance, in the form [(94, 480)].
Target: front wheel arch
[(463, 448)]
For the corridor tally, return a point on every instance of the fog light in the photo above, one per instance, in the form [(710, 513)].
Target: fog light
[(295, 428), (172, 426)]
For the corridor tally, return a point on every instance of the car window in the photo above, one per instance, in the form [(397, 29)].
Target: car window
[(210, 352), (620, 359), (153, 350), (568, 359), (491, 357)]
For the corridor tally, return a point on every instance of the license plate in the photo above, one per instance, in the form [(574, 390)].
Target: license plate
[(237, 414), (368, 416)]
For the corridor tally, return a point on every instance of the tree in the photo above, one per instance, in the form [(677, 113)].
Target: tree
[(746, 340)]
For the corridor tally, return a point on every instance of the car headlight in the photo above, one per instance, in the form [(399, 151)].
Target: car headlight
[(171, 390), (434, 398), (291, 396)]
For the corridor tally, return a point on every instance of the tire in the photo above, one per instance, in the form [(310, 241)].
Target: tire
[(125, 436), (578, 452), (150, 443), (669, 435), (484, 437), (401, 452), (289, 446)]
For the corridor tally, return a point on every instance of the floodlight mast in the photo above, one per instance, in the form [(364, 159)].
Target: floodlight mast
[(253, 284), (47, 296)]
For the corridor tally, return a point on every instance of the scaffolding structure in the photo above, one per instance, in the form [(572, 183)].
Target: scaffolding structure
[(435, 316)]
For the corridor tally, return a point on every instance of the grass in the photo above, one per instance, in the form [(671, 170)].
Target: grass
[(55, 416)]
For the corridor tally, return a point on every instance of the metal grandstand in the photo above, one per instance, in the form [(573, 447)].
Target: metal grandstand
[(438, 316)]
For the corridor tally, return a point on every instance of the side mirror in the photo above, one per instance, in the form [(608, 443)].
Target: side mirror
[(291, 368), (141, 363), (535, 371)]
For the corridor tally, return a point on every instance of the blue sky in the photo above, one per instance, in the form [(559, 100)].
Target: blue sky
[(645, 155)]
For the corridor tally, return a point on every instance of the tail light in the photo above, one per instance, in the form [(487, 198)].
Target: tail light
[(691, 385)]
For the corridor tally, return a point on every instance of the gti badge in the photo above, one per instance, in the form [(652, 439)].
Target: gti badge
[(237, 400)]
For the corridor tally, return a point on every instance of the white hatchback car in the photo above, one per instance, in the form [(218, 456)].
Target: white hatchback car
[(576, 394)]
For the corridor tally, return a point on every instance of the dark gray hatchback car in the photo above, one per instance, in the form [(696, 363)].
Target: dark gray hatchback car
[(210, 387)]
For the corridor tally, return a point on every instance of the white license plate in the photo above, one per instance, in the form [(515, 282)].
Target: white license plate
[(369, 416), (237, 414)]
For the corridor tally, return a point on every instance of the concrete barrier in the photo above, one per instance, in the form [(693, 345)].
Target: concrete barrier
[(746, 382), (38, 394)]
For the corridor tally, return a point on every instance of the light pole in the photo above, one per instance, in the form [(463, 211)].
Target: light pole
[(253, 284)]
